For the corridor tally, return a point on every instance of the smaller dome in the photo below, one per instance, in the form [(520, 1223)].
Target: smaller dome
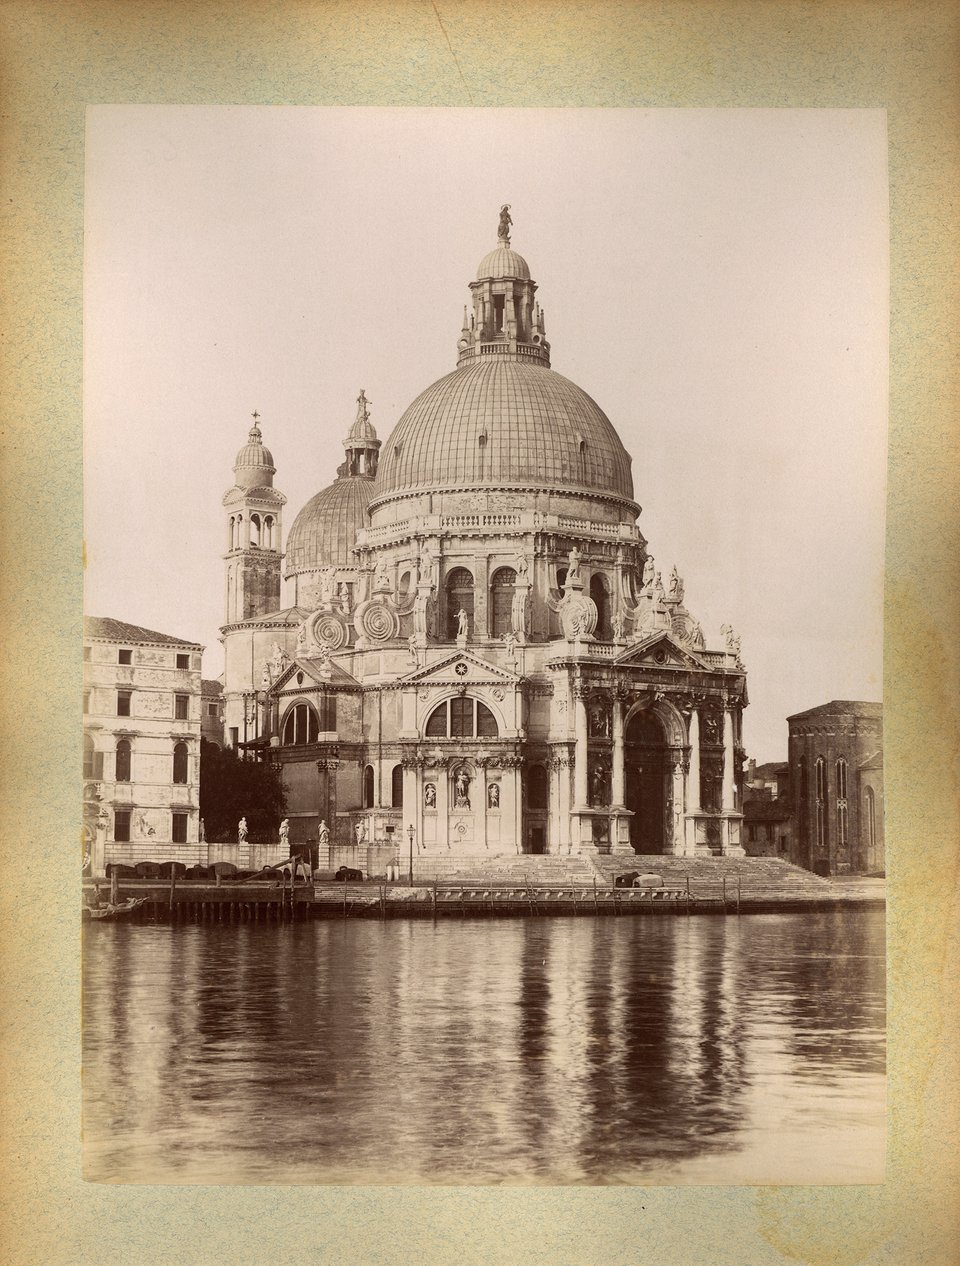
[(325, 531), (503, 262), (254, 453)]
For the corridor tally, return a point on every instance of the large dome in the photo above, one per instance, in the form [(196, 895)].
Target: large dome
[(325, 530), (503, 423)]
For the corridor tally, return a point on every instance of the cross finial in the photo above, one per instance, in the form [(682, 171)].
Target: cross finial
[(256, 416)]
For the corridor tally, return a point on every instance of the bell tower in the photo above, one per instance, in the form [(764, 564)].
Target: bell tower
[(254, 533)]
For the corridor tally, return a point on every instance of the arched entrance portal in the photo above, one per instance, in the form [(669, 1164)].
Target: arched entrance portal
[(645, 782)]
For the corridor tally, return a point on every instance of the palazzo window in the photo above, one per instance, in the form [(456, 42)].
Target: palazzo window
[(124, 698), (300, 725), (180, 762), (501, 601), (396, 787), (92, 759), (121, 826), (462, 718), (183, 661), (180, 828), (125, 657), (123, 761), (459, 588), (181, 707)]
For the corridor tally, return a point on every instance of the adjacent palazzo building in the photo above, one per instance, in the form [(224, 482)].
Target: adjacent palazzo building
[(478, 643), (141, 745)]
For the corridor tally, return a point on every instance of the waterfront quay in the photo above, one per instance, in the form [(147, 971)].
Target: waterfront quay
[(528, 887)]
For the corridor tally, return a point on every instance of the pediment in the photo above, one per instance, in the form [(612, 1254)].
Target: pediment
[(660, 650), (316, 672), (461, 667)]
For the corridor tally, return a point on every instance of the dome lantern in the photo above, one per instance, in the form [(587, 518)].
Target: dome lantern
[(506, 320)]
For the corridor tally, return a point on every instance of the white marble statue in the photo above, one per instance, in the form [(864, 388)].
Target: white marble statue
[(462, 623), (573, 565), (242, 830), (323, 834), (462, 790), (285, 832)]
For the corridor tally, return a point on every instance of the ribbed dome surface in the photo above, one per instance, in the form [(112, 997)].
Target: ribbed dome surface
[(503, 262), (499, 423), (325, 530)]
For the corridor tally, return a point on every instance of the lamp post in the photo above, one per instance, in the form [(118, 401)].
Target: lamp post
[(411, 833)]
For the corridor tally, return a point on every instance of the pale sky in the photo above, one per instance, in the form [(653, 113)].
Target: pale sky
[(717, 280)]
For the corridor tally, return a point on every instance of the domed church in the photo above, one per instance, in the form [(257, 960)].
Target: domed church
[(479, 645)]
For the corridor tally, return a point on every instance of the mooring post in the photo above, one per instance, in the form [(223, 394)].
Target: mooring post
[(114, 888), (738, 892), (173, 886), (596, 904), (724, 894)]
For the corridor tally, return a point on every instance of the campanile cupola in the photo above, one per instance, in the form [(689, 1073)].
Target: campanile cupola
[(506, 321)]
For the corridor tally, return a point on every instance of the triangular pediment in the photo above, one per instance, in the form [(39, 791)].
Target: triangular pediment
[(660, 650), (460, 666), (316, 672)]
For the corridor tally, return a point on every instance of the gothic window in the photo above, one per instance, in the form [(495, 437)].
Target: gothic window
[(601, 598), (459, 598), (871, 809), (180, 828), (501, 601), (396, 787), (300, 725), (121, 826), (122, 772), (841, 779), (821, 775), (536, 786), (180, 760), (462, 718), (368, 787)]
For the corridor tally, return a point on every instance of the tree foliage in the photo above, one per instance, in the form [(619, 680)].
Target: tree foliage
[(231, 789)]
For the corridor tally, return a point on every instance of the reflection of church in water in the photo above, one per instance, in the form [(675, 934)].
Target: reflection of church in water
[(479, 645)]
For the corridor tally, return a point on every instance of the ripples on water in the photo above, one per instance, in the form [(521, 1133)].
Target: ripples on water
[(635, 1050)]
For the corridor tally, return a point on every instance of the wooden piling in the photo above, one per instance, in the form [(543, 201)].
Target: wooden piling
[(114, 888)]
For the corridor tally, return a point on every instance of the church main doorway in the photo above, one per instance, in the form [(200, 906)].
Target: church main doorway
[(645, 781)]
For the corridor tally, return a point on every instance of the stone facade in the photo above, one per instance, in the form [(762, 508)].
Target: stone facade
[(836, 770), (141, 745), (498, 665)]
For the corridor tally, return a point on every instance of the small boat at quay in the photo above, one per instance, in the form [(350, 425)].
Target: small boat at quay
[(113, 909)]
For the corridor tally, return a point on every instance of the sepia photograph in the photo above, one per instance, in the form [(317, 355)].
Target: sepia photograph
[(482, 658)]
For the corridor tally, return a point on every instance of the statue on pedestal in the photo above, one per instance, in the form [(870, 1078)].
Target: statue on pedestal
[(503, 228), (323, 834), (462, 624), (285, 832), (242, 831)]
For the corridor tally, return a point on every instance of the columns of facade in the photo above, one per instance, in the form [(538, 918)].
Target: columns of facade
[(693, 777), (518, 807), (580, 756), (482, 780), (481, 596), (412, 806), (246, 531), (677, 840), (443, 807), (563, 789), (617, 777), (727, 803)]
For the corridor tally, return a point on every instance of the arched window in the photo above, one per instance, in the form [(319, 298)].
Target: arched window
[(122, 772), (821, 774), (368, 787), (841, 802), (239, 540), (254, 529), (501, 601), (267, 539), (300, 725), (396, 787), (180, 754), (536, 784), (462, 717), (459, 589), (601, 597), (841, 779)]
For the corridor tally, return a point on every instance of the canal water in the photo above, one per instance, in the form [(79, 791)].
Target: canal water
[(553, 1050)]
